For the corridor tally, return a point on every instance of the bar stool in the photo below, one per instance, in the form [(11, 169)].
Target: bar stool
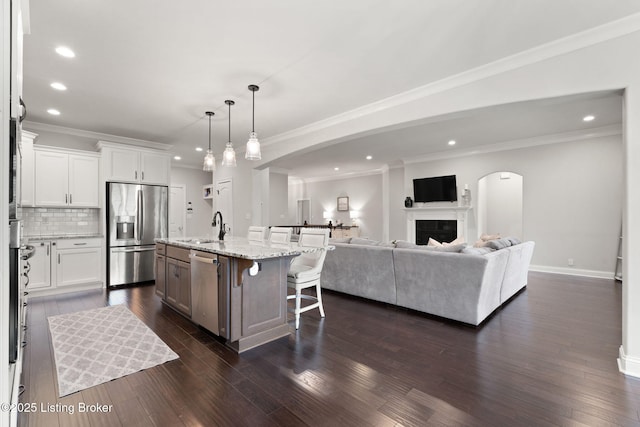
[(256, 233), (305, 271), (280, 234)]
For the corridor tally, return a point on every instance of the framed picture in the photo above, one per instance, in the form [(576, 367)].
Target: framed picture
[(207, 191), (343, 203)]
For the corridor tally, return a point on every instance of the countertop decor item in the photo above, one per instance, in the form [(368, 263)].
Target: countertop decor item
[(408, 202), (253, 145), (209, 159), (229, 155)]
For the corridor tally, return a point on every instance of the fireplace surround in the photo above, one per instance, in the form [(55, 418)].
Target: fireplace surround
[(459, 214)]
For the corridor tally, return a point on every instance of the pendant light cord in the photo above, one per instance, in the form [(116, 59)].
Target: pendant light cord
[(209, 132), (253, 112), (229, 122)]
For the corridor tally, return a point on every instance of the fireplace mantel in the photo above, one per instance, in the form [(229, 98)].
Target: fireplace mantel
[(458, 213)]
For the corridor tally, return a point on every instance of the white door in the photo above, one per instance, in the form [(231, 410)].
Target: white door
[(177, 207), (224, 203)]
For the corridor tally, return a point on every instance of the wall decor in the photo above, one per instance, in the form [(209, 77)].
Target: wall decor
[(207, 191), (343, 204)]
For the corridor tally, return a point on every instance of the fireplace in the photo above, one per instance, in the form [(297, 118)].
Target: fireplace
[(442, 230), (456, 218)]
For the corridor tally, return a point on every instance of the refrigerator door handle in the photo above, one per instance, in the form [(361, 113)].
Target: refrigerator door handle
[(141, 212), (114, 250)]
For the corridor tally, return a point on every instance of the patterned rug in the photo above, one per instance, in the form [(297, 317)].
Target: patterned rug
[(95, 346)]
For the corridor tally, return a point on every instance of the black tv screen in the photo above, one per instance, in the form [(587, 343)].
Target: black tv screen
[(436, 189)]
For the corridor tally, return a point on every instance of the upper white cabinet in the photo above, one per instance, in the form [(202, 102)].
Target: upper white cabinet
[(135, 165), (64, 179)]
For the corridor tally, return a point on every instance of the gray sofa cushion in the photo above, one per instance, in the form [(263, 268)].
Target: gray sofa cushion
[(499, 243), (402, 244), (361, 270), (363, 241), (340, 240)]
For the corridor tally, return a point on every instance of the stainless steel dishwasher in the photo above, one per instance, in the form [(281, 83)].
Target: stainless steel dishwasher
[(205, 301)]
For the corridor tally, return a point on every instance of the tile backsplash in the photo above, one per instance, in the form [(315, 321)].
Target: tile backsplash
[(60, 221)]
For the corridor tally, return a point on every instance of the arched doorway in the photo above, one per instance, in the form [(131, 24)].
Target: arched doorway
[(500, 204)]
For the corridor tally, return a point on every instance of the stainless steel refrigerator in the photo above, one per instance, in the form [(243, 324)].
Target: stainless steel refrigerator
[(137, 214)]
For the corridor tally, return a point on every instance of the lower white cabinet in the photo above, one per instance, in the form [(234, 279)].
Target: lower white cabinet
[(77, 261), (62, 263)]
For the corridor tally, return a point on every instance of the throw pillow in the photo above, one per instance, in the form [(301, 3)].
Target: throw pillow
[(451, 248), (457, 241), (499, 244), (514, 240), (433, 242), (486, 237), (477, 251)]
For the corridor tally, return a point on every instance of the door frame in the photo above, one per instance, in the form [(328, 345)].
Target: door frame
[(183, 212)]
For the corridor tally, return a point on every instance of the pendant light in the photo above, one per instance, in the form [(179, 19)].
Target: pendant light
[(229, 155), (253, 145), (209, 160)]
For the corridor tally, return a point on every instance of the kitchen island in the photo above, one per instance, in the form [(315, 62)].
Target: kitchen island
[(234, 288)]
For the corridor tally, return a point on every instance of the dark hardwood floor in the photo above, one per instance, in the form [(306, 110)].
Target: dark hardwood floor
[(548, 358)]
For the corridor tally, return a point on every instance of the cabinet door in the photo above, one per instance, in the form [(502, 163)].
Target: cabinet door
[(78, 266), (40, 266), (155, 168), (51, 178), (172, 281), (122, 165), (161, 265), (184, 287), (83, 181)]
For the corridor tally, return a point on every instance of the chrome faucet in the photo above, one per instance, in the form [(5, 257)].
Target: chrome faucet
[(222, 225)]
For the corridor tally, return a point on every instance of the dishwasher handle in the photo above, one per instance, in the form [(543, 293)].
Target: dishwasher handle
[(195, 257)]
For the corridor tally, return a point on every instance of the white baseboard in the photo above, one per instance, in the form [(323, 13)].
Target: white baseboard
[(628, 365), (572, 271), (40, 292)]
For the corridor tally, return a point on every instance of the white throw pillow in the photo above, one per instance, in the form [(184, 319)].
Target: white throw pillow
[(458, 241), (433, 242)]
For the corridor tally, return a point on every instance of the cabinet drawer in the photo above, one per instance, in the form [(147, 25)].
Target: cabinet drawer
[(178, 253), (161, 249), (79, 243)]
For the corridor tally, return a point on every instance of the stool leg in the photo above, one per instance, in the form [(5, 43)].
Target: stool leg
[(319, 296), (297, 309)]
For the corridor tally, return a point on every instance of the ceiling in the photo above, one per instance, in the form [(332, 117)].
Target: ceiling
[(149, 70)]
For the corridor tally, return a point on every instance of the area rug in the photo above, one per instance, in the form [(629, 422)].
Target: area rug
[(95, 346)]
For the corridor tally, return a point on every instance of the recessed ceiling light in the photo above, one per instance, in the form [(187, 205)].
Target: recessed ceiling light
[(452, 142), (65, 51), (369, 157), (198, 148), (177, 158), (58, 86), (588, 118), (336, 169), (53, 112)]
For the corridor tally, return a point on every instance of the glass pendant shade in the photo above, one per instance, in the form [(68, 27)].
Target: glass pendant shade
[(253, 145), (209, 162), (253, 148), (229, 156)]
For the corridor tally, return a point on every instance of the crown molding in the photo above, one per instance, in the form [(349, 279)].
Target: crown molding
[(580, 135), (573, 42), (96, 135)]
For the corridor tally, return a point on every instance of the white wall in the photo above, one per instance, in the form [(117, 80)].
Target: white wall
[(193, 179), (278, 199), (572, 198), (243, 193), (364, 194)]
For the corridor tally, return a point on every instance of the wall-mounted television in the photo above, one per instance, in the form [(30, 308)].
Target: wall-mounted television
[(435, 189)]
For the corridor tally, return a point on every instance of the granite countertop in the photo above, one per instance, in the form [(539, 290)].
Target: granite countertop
[(62, 236), (240, 247)]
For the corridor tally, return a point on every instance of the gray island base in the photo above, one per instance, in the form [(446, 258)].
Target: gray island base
[(235, 289)]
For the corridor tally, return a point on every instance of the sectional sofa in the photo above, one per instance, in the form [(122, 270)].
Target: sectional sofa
[(460, 283)]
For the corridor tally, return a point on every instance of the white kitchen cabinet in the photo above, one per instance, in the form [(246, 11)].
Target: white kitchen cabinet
[(65, 179), (135, 165), (65, 263), (40, 265), (77, 265)]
